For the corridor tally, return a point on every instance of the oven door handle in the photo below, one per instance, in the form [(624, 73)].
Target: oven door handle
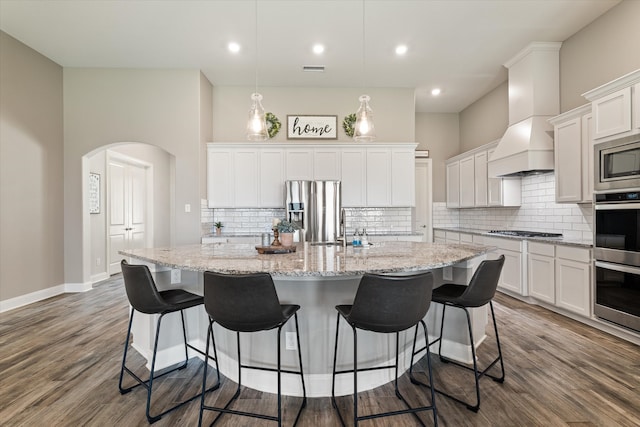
[(618, 267), (617, 206)]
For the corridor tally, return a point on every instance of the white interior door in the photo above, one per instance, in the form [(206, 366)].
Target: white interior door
[(127, 209), (422, 213)]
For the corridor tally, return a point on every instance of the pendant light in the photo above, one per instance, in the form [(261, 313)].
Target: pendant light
[(364, 129), (257, 123)]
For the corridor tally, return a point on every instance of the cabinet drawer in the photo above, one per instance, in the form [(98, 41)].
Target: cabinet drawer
[(541, 249), (453, 236), (466, 238), (506, 244), (440, 234), (573, 254)]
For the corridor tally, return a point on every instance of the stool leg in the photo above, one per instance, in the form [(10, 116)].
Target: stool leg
[(475, 407), (444, 307), (204, 374), (153, 367), (335, 358), (184, 334), (495, 328), (355, 377), (124, 357), (304, 390)]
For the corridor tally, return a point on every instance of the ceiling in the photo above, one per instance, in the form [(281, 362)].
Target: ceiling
[(457, 45)]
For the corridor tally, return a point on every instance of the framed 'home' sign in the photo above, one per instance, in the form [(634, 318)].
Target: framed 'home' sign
[(312, 127)]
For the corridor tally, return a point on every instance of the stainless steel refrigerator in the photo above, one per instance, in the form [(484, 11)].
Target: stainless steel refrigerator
[(316, 206)]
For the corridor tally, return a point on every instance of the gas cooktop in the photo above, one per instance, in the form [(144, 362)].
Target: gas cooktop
[(522, 233)]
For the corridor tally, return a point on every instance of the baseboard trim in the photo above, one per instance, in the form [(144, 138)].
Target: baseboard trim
[(78, 287), (99, 277), (30, 298)]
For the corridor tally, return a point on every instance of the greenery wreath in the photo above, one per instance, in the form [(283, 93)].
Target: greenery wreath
[(273, 124), (348, 124)]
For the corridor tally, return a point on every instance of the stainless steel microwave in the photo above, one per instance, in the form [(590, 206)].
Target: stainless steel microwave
[(617, 164)]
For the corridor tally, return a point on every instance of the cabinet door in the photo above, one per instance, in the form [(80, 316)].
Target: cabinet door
[(272, 178), (354, 177), (467, 186), (453, 184), (612, 113), (573, 286), (422, 213), (245, 177), (378, 177), (636, 105), (299, 164), (219, 178), (326, 164), (480, 181), (403, 178), (542, 279), (587, 158), (511, 277), (568, 160)]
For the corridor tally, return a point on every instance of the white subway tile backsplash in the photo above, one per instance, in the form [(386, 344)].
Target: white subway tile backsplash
[(538, 212)]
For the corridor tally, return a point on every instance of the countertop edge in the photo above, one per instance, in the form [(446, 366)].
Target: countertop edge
[(548, 240)]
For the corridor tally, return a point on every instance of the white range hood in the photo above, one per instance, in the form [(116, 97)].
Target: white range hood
[(534, 98)]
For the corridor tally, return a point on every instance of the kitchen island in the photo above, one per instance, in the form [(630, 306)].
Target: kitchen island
[(317, 277)]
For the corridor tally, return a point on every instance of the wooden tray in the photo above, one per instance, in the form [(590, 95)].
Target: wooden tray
[(275, 249)]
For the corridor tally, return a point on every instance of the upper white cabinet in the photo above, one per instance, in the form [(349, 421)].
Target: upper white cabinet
[(468, 184), (453, 183), (353, 172), (573, 155), (252, 175), (615, 107)]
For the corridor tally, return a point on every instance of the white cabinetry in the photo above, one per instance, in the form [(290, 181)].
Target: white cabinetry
[(453, 184), (299, 163), (271, 183), (614, 106), (541, 271), (481, 179), (439, 236), (378, 177), (353, 170), (252, 175), (511, 279), (467, 182), (573, 151), (403, 178), (573, 279)]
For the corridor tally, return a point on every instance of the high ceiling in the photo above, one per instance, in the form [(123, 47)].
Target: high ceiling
[(457, 45)]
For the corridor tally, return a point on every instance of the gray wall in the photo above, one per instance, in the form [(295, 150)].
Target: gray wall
[(438, 133), (601, 52), (107, 106), (486, 119), (393, 109), (31, 171)]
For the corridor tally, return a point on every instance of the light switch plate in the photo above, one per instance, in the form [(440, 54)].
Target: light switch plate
[(176, 276), (187, 208), (447, 273)]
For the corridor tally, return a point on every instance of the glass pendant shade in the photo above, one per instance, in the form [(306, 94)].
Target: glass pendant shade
[(257, 124), (364, 129)]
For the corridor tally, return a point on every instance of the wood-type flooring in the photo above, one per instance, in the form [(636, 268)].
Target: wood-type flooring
[(60, 360)]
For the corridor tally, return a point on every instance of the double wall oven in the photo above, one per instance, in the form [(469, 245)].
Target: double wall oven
[(617, 232)]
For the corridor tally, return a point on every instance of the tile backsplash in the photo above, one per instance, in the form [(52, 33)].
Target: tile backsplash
[(538, 212), (254, 221)]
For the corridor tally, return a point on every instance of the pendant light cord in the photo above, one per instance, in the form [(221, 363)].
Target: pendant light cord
[(256, 58), (364, 68)]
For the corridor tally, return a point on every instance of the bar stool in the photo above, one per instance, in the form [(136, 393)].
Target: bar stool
[(479, 292), (386, 304), (248, 303), (144, 297)]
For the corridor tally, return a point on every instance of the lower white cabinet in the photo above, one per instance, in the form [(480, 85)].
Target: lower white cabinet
[(573, 279), (439, 236), (511, 279), (541, 271)]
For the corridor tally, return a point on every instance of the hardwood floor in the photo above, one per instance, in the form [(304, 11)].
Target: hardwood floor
[(60, 359)]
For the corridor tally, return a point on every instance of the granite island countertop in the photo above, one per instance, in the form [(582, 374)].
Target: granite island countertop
[(310, 260)]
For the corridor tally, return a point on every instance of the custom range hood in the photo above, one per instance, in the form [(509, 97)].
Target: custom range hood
[(534, 97)]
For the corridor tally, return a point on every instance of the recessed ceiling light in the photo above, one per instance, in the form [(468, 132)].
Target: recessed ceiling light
[(436, 91), (318, 49), (401, 49), (233, 47)]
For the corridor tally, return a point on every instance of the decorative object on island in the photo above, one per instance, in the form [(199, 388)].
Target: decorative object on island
[(312, 127), (273, 124), (364, 129), (218, 225), (257, 123), (286, 229), (348, 123)]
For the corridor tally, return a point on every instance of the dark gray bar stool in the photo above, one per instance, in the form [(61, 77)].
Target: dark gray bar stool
[(248, 303), (144, 297), (386, 304), (480, 291)]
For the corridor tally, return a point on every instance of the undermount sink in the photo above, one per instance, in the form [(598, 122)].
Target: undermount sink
[(334, 244)]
